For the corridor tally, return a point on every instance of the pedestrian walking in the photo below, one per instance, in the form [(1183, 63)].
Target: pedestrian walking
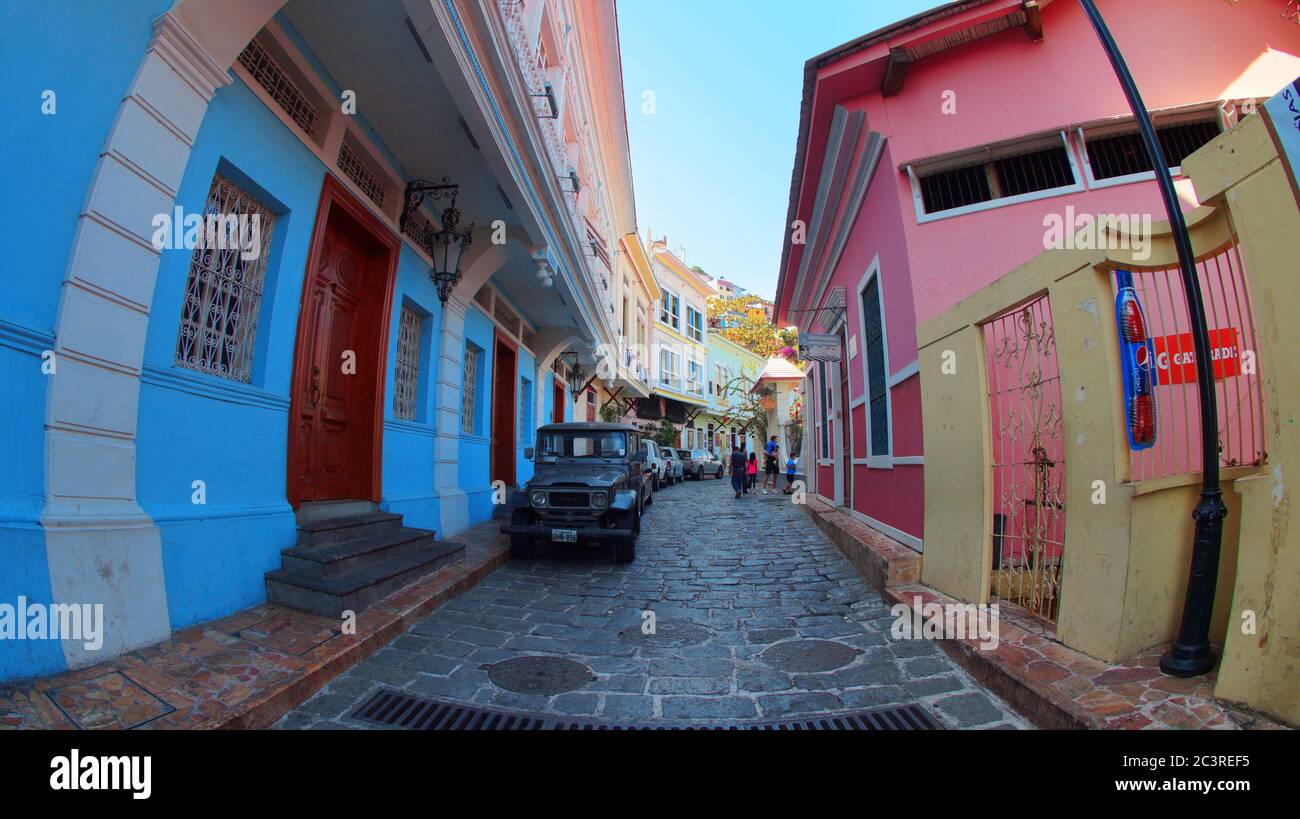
[(770, 468), (737, 470), (751, 471), (790, 466)]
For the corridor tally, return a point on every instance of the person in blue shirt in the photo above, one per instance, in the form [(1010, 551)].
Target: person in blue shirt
[(790, 466)]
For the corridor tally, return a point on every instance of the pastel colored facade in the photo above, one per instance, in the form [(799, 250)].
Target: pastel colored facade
[(732, 371), (679, 353), (920, 179), (1125, 560), (782, 383), (166, 430)]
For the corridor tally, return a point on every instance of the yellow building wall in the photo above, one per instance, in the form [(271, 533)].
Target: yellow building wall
[(1126, 561), (1241, 170)]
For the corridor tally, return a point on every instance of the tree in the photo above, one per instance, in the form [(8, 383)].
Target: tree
[(734, 320), (744, 407), (667, 435)]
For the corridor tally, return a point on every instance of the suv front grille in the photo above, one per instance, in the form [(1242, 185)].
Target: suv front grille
[(569, 500)]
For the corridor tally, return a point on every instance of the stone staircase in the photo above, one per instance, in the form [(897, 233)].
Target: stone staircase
[(350, 554)]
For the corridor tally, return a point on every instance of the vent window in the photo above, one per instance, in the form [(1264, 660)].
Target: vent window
[(1124, 154), (284, 89), (1008, 175), (360, 172)]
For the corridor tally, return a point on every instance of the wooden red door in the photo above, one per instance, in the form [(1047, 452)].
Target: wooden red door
[(846, 421), (336, 403), (558, 411), (505, 373), (327, 431)]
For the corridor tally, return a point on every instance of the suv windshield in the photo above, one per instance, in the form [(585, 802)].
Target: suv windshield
[(582, 444)]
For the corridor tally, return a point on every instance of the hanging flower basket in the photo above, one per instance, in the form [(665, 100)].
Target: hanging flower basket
[(768, 403)]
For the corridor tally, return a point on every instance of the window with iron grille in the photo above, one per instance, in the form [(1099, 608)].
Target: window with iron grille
[(469, 391), (1008, 175), (356, 169), (1124, 154), (874, 360), (223, 290), (286, 93), (406, 381)]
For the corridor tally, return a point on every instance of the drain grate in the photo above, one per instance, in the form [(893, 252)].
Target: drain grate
[(809, 655), (394, 709)]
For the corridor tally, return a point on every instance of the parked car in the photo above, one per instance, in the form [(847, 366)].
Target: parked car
[(656, 465), (700, 462), (675, 471), (590, 487)]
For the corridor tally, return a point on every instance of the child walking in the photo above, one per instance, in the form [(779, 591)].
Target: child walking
[(751, 470), (790, 467)]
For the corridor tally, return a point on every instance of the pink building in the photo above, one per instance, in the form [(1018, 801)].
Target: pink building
[(939, 153)]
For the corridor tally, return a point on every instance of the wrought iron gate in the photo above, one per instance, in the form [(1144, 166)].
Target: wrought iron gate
[(1028, 463)]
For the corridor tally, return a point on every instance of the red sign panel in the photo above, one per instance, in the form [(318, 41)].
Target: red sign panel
[(1176, 356)]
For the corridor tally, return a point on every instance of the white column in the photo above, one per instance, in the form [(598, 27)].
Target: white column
[(101, 546), (452, 502)]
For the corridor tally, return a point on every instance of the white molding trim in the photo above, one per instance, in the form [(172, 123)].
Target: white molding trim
[(884, 460), (905, 373), (911, 541), (910, 460)]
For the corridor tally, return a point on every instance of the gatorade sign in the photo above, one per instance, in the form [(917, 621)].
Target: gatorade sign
[(1176, 357)]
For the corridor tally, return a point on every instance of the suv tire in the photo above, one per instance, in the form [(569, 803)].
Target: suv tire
[(699, 473), (719, 475), (521, 546), (625, 547)]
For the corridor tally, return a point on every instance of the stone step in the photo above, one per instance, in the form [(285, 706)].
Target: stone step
[(313, 511), (357, 588), (334, 559), (347, 527)]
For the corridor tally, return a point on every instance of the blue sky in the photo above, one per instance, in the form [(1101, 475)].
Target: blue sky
[(712, 164)]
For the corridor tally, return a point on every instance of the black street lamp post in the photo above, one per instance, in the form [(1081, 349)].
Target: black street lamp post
[(1190, 654)]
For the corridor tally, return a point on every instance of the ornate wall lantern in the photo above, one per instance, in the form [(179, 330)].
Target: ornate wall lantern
[(446, 246)]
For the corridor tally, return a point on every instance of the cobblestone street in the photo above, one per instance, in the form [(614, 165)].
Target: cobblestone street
[(729, 582)]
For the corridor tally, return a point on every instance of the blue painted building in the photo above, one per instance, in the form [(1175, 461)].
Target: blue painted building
[(178, 397)]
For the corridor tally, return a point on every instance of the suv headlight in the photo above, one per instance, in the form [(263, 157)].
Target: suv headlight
[(599, 500), (538, 498)]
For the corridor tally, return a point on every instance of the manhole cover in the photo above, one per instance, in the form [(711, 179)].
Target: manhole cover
[(809, 655), (670, 633), (539, 675)]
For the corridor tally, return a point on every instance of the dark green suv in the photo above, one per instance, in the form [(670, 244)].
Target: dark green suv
[(591, 485)]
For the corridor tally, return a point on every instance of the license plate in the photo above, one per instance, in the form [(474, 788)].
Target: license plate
[(564, 535)]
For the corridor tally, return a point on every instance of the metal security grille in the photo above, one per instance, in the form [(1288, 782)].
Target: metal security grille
[(1124, 154), (407, 378), (1238, 384), (355, 168), (1036, 171), (1028, 458), (398, 710), (955, 188), (1009, 175), (277, 83), (223, 291), (469, 384)]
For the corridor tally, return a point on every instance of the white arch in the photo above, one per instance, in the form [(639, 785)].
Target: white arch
[(100, 546)]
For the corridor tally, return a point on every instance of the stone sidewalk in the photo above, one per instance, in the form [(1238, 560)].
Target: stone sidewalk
[(735, 587)]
